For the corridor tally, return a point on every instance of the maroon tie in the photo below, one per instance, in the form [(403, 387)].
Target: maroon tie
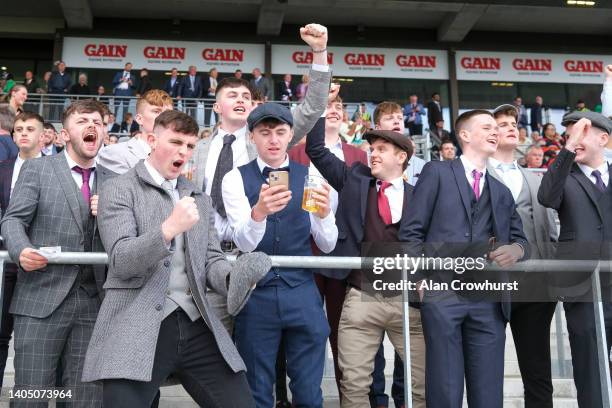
[(85, 173), (384, 209)]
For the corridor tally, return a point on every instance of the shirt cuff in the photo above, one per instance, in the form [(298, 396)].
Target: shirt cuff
[(319, 67), (256, 226)]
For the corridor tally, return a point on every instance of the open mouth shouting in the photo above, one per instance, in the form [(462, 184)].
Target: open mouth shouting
[(177, 164), (90, 139)]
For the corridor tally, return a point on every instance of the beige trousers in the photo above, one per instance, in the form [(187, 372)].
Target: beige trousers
[(364, 321)]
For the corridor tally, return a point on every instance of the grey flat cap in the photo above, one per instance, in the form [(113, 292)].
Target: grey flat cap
[(597, 119), (248, 270)]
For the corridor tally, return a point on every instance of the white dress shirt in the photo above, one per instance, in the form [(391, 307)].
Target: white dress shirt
[(603, 169), (336, 149), (47, 150), (240, 156), (16, 170), (510, 175), (395, 194), (78, 177), (468, 166), (159, 179), (248, 232), (124, 85)]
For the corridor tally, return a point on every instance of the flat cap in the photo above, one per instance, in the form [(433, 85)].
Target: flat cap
[(401, 141), (597, 120), (269, 110)]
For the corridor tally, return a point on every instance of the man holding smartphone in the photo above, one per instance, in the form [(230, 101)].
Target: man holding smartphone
[(285, 303)]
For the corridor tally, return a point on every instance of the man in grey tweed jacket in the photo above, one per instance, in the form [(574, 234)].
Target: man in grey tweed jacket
[(164, 255), (55, 306)]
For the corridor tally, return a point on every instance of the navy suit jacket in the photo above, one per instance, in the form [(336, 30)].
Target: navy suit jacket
[(173, 91), (440, 214), (124, 92), (352, 184), (186, 92), (58, 83)]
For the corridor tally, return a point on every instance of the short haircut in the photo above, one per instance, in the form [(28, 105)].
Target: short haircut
[(337, 99), (83, 106), (506, 112), (30, 115), (385, 108), (232, 82), (466, 117), (434, 94), (447, 141), (49, 125), (533, 147), (271, 123), (257, 95), (177, 121), (7, 117), (154, 97)]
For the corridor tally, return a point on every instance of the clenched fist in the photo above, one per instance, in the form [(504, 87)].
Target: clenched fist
[(315, 35), (94, 205), (184, 216)]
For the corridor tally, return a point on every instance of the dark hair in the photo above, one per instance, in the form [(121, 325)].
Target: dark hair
[(7, 117), (446, 141), (177, 121), (49, 125), (467, 116), (257, 95), (232, 82), (30, 115), (84, 106), (270, 123), (434, 94)]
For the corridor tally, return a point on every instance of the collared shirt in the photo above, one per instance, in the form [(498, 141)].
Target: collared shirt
[(248, 232), (192, 82), (16, 170), (336, 149), (395, 194), (47, 150), (603, 169), (510, 174), (159, 179), (469, 166), (240, 156), (78, 177), (412, 172)]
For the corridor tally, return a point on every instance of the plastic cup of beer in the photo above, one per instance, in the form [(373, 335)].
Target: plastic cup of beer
[(188, 169), (311, 182)]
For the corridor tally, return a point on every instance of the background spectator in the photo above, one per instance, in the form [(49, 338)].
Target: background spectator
[(8, 81), (523, 121), (129, 125), (534, 159), (144, 84), (260, 83), (300, 90), (413, 116), (434, 110), (81, 88), (16, 98), (30, 82), (286, 90)]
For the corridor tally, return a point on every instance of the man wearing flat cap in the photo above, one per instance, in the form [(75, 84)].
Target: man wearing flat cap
[(263, 204), (459, 210), (371, 202), (577, 185)]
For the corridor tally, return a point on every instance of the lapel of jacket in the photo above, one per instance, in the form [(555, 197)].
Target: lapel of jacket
[(65, 180), (201, 158), (586, 185), (495, 194), (463, 186), (363, 193)]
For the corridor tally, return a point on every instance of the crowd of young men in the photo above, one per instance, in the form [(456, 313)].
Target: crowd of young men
[(170, 304)]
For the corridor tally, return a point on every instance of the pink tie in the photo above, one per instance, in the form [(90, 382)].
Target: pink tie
[(476, 186), (85, 173)]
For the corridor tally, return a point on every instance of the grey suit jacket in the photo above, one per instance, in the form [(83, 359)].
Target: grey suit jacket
[(131, 210), (121, 157), (542, 217), (305, 116), (47, 209)]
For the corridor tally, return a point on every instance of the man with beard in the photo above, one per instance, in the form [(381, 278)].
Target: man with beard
[(55, 306)]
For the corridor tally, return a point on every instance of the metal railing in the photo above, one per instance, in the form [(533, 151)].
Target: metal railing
[(530, 266), (51, 106)]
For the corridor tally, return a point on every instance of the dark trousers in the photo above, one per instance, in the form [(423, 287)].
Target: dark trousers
[(378, 398), (463, 339), (530, 324), (585, 357), (332, 293), (188, 351), (295, 315), (414, 129), (6, 325)]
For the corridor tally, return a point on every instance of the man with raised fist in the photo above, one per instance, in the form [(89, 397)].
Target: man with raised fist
[(163, 254)]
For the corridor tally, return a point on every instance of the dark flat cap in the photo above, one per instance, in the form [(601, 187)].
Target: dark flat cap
[(401, 141), (597, 120), (270, 110)]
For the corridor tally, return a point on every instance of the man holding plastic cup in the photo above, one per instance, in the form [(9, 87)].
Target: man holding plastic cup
[(263, 202)]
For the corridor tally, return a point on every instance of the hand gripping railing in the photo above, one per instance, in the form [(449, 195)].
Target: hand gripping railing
[(531, 266)]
